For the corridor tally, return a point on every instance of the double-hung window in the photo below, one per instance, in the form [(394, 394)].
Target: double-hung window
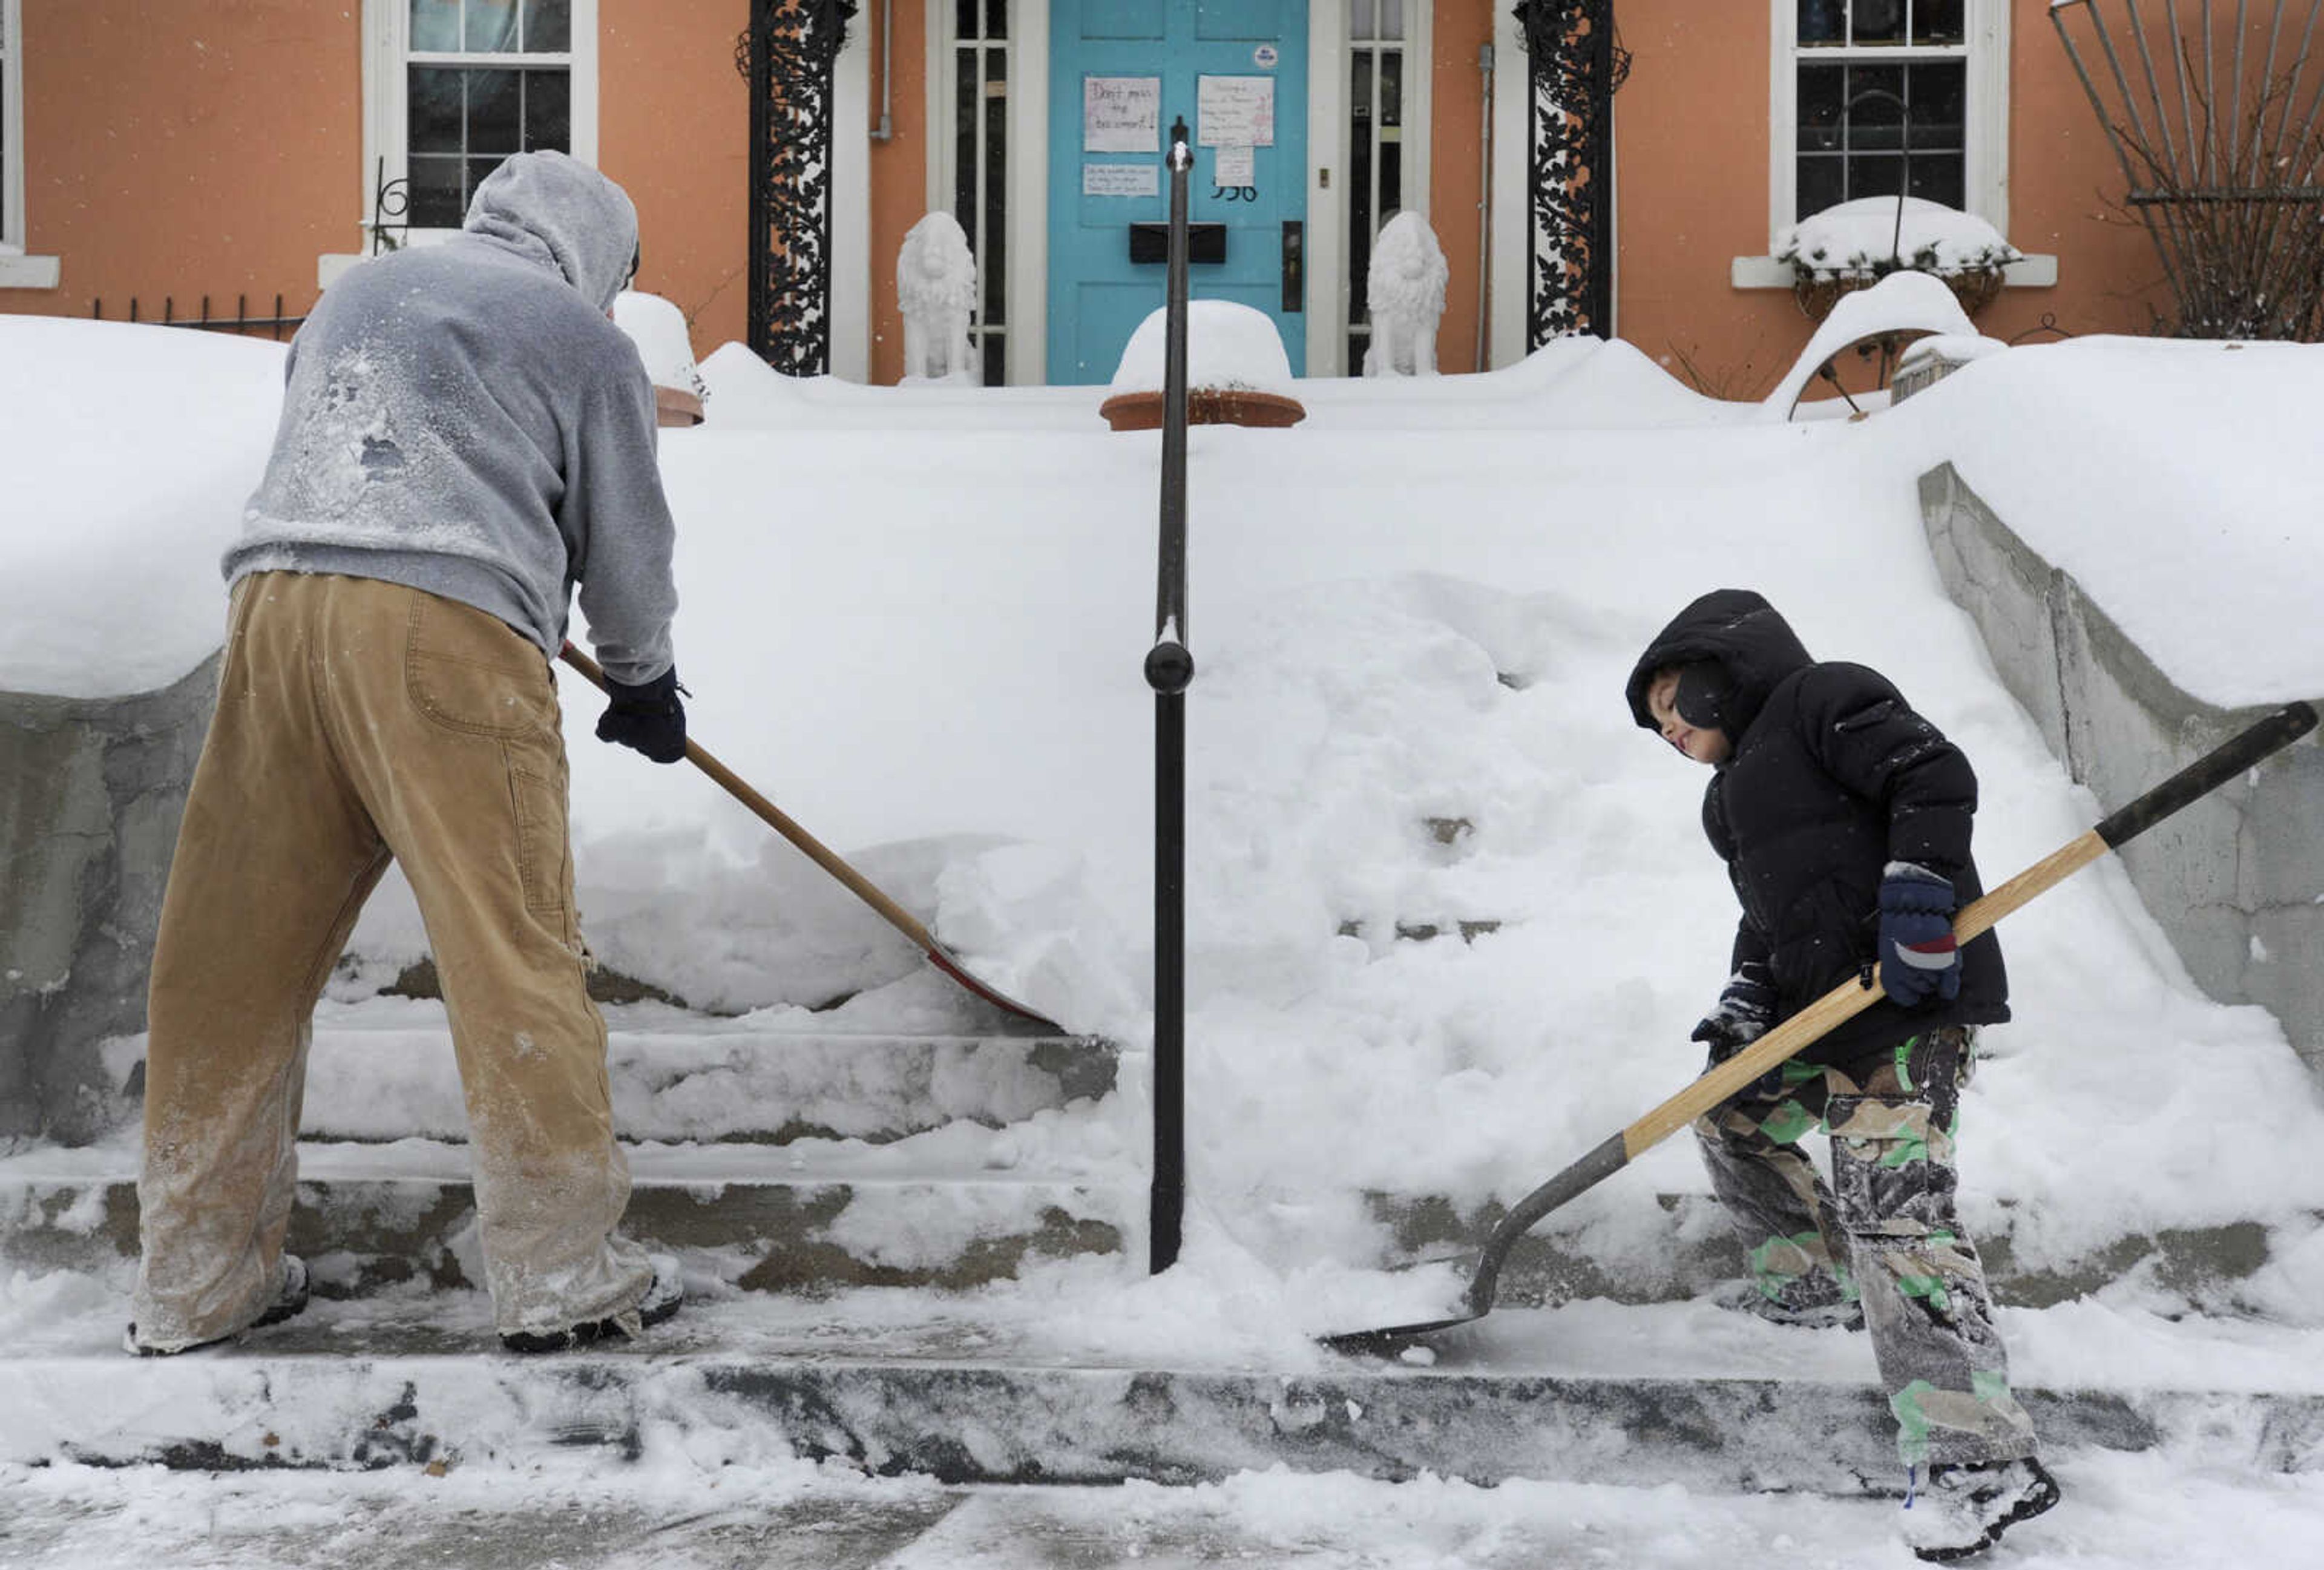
[(456, 87), (1878, 98)]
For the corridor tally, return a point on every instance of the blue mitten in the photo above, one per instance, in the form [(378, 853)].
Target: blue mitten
[(1918, 959)]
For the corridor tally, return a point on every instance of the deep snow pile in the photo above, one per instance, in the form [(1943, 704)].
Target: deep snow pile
[(915, 621)]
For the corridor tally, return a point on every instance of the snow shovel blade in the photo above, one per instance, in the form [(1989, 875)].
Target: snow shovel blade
[(816, 851), (1719, 1083)]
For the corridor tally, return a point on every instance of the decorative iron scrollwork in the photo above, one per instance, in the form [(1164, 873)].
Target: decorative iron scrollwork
[(790, 50), (391, 211), (1575, 65)]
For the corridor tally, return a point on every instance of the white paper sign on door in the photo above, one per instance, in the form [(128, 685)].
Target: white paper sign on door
[(1234, 166), (1236, 111), (1120, 179), (1122, 113)]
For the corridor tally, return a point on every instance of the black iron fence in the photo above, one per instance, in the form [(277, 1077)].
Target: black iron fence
[(241, 321)]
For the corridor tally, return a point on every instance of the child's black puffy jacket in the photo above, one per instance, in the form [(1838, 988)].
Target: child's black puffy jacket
[(1833, 776)]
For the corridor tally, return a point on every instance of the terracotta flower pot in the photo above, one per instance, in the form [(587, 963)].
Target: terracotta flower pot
[(1205, 406)]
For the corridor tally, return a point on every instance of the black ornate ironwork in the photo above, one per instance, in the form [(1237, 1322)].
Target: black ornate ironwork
[(791, 48), (391, 211), (1576, 66)]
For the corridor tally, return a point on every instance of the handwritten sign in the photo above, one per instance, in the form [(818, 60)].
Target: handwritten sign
[(1122, 113), (1121, 180), (1235, 166), (1236, 111)]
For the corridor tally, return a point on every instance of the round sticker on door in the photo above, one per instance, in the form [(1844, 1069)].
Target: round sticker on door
[(1265, 56)]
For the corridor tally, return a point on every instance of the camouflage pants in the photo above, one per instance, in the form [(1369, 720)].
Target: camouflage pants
[(1885, 1229)]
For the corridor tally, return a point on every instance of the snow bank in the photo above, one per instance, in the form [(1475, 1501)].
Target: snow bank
[(129, 451)]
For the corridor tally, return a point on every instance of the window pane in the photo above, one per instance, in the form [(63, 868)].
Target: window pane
[(437, 202), (1877, 21), (1880, 176), (1822, 177), (433, 123), (1875, 120), (492, 26), (548, 111), (1937, 22), (1391, 18), (435, 25), (478, 168), (966, 89), (1823, 21), (1938, 93), (964, 18), (495, 117), (1821, 89), (1391, 79), (996, 365), (991, 258), (996, 18), (547, 26), (1363, 19), (1939, 179)]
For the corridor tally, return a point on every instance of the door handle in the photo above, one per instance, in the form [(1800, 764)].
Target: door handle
[(1295, 267)]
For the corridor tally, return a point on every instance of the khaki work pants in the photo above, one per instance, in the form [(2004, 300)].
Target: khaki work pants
[(358, 721)]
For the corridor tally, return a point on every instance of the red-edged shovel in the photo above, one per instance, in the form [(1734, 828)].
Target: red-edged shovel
[(1844, 1002), (861, 887)]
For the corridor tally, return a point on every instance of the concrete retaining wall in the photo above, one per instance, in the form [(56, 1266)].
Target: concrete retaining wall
[(2236, 881), (91, 792)]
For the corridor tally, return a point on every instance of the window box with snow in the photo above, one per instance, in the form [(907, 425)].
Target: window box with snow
[(1856, 243)]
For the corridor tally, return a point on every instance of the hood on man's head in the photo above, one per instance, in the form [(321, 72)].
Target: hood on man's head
[(563, 213), (1736, 630)]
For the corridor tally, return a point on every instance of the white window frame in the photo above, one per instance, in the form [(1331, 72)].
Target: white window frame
[(943, 45), (387, 56), (17, 270), (1328, 136), (1984, 175)]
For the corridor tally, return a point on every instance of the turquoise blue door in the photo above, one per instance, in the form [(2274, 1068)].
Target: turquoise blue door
[(1119, 72)]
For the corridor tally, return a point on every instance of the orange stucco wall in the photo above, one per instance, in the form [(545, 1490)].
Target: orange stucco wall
[(1456, 144), (182, 150), (1691, 130), (674, 128), (899, 171)]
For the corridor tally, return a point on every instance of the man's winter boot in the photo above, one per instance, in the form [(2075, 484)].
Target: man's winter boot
[(289, 1297), (1744, 1297), (663, 1295), (1959, 1510)]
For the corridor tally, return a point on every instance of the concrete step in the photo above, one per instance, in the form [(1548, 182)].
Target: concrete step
[(374, 1217), (386, 1072), (1574, 1256), (354, 1387)]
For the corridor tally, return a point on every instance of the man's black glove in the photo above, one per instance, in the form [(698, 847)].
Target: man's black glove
[(647, 717)]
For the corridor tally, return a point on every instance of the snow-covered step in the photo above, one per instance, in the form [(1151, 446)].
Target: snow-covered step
[(382, 1075), (343, 1388), (1690, 1248), (938, 1212)]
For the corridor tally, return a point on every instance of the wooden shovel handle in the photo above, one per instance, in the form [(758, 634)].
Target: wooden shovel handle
[(782, 822)]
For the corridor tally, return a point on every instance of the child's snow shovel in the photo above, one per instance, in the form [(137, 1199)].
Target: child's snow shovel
[(1842, 1002), (895, 915)]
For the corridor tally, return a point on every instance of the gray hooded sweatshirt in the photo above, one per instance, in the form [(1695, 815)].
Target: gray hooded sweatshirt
[(464, 418)]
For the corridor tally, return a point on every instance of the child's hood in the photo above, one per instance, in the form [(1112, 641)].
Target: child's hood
[(1743, 632)]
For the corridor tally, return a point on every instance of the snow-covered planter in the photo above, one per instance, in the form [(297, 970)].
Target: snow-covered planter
[(1856, 243), (1237, 373), (659, 330)]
